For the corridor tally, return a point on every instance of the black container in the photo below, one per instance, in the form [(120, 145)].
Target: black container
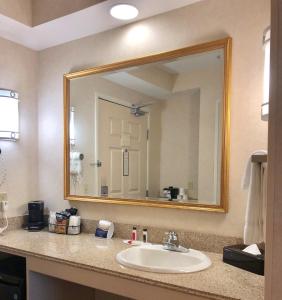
[(173, 192), (235, 256), (12, 277), (35, 215)]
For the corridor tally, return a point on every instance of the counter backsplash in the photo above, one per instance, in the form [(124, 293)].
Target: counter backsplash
[(189, 239)]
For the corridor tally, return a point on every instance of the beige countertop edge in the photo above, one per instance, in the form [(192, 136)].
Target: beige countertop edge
[(117, 274)]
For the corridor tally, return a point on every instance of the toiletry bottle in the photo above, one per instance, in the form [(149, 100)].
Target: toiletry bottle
[(134, 234), (145, 235)]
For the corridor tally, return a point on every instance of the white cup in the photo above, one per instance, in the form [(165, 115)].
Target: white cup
[(74, 221)]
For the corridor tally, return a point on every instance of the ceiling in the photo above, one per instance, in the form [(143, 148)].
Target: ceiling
[(158, 80), (82, 23)]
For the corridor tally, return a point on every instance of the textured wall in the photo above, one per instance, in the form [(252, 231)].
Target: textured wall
[(243, 20), (19, 70)]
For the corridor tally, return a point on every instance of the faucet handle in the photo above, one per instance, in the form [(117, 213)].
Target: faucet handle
[(171, 238)]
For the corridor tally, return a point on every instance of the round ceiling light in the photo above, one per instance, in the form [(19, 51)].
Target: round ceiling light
[(124, 12)]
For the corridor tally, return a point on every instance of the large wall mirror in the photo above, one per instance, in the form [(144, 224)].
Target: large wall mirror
[(151, 131)]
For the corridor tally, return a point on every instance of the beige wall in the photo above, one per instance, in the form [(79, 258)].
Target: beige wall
[(243, 20), (47, 10), (20, 10), (180, 141), (209, 80), (155, 138), (19, 70)]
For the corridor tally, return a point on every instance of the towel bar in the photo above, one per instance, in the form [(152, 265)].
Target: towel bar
[(259, 158)]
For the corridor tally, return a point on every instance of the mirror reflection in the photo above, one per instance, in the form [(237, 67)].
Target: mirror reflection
[(150, 132)]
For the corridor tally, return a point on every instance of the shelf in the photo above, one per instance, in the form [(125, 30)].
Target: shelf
[(259, 158)]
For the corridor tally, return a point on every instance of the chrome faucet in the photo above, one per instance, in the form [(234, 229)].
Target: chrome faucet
[(171, 242)]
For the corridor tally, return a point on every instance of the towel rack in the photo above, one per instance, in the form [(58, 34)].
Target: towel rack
[(259, 158)]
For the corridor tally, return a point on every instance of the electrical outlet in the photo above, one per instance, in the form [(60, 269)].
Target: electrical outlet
[(4, 206), (3, 202), (3, 197)]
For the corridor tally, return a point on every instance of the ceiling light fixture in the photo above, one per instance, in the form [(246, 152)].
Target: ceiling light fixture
[(124, 12)]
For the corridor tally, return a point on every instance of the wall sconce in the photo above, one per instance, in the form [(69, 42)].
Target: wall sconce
[(9, 115), (72, 130), (266, 78)]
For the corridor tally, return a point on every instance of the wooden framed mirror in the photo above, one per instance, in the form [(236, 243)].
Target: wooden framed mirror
[(151, 131)]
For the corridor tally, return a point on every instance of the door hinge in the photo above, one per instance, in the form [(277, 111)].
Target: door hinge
[(147, 134), (147, 193)]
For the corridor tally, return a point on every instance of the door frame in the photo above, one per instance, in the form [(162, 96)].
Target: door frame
[(273, 262)]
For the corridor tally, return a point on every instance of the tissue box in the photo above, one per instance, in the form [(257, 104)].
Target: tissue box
[(235, 256)]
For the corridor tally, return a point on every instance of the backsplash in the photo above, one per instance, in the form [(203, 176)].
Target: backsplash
[(189, 239), (14, 223)]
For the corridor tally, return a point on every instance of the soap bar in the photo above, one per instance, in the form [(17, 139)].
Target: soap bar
[(105, 229), (101, 233)]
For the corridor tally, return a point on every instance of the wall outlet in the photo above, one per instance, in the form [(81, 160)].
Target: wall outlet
[(3, 197), (3, 202)]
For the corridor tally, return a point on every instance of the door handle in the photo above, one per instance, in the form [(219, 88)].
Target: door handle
[(97, 164)]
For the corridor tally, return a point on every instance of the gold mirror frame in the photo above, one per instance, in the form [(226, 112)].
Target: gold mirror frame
[(226, 45)]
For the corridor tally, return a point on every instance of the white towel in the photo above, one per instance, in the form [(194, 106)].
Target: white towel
[(254, 180), (75, 163)]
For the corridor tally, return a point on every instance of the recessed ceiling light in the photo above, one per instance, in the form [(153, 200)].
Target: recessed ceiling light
[(124, 11)]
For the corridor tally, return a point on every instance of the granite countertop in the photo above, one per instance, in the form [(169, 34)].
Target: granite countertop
[(220, 281)]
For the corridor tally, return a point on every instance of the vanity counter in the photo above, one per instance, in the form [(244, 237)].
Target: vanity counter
[(84, 251)]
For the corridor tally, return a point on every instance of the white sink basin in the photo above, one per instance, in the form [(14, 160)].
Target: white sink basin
[(153, 258)]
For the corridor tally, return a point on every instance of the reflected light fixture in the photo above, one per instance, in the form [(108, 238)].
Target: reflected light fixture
[(266, 77), (9, 115), (124, 12)]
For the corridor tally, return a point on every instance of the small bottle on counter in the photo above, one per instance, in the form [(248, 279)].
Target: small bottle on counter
[(145, 235), (134, 234)]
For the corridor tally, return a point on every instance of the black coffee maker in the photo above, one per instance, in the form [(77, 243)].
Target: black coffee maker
[(35, 216)]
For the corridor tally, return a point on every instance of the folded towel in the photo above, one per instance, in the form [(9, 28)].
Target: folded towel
[(255, 181), (247, 175)]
